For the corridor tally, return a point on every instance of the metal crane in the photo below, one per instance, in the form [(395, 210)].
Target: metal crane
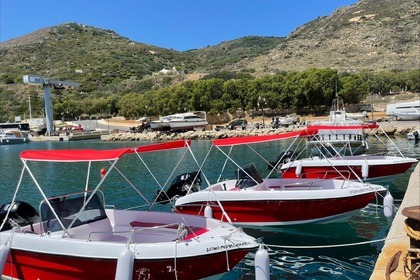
[(46, 84)]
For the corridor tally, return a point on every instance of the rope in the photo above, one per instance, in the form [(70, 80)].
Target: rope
[(227, 253), (414, 272), (415, 234), (335, 245)]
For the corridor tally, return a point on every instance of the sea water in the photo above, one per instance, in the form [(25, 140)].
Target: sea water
[(345, 250)]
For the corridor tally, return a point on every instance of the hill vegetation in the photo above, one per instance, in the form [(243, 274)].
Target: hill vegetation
[(370, 47)]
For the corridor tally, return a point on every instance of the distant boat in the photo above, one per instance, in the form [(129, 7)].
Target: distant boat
[(9, 137), (344, 134), (404, 110), (407, 115), (357, 116), (180, 122)]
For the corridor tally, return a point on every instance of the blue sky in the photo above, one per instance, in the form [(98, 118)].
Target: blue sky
[(172, 24)]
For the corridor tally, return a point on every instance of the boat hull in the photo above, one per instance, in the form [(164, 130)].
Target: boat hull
[(14, 141), (35, 265), (280, 206), (333, 169), (187, 125)]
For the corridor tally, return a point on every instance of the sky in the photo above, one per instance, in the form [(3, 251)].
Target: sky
[(173, 24)]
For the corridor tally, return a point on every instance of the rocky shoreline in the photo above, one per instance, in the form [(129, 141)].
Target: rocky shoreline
[(385, 128)]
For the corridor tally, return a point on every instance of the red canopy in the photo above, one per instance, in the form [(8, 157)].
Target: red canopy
[(262, 138), (164, 146), (74, 155), (96, 155)]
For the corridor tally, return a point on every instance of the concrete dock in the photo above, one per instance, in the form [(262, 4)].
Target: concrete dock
[(397, 238)]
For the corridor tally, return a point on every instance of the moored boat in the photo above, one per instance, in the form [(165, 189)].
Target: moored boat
[(364, 166), (250, 200), (9, 137), (341, 132), (74, 236)]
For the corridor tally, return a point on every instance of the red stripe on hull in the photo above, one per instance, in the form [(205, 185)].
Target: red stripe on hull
[(328, 172), (272, 211), (29, 265)]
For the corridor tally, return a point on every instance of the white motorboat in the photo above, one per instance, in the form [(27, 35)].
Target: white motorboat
[(161, 124), (186, 121), (407, 115), (179, 122), (9, 137), (74, 236), (356, 116), (344, 134)]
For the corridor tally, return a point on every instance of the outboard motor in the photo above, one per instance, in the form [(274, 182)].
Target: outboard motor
[(21, 213), (180, 186), (283, 158), (248, 177)]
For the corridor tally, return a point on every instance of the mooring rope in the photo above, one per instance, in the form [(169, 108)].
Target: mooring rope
[(334, 245)]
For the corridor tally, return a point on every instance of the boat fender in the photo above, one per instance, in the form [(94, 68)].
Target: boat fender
[(365, 170), (4, 252), (298, 170), (262, 264), (125, 265), (208, 212), (388, 205)]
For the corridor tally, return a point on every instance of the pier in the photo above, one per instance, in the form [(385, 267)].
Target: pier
[(398, 239)]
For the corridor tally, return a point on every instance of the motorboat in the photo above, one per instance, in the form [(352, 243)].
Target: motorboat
[(356, 116), (9, 137), (186, 121), (161, 124), (341, 132), (277, 201), (250, 200), (77, 236), (407, 115), (332, 163), (345, 139), (179, 122), (404, 110), (366, 166)]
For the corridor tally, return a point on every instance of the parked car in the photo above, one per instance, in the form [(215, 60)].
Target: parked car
[(239, 123)]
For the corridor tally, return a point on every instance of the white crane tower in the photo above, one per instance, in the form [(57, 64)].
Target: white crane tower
[(46, 84)]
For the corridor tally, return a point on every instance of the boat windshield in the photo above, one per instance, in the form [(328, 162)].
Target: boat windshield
[(67, 208)]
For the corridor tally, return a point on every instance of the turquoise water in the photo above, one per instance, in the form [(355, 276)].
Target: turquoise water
[(317, 257)]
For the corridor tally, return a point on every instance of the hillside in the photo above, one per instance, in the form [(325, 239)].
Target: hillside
[(371, 35)]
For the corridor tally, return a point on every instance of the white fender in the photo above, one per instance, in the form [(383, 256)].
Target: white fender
[(208, 212), (125, 265), (388, 205), (365, 170), (4, 252), (262, 264), (298, 170)]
